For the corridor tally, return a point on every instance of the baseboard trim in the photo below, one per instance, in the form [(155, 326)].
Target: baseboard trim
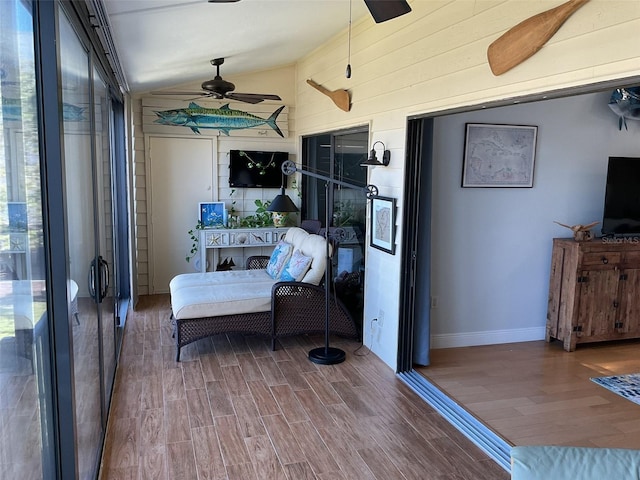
[(492, 337), (486, 439)]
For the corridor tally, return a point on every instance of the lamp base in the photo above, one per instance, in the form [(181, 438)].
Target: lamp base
[(327, 355)]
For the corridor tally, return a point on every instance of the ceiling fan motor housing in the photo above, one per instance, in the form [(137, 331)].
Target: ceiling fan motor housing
[(218, 86)]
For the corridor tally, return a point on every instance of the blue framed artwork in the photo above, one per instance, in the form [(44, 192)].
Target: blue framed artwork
[(212, 214), (17, 216)]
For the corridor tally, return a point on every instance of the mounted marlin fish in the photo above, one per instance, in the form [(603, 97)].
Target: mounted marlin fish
[(224, 118), (625, 102)]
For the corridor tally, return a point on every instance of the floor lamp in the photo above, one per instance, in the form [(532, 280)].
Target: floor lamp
[(327, 355)]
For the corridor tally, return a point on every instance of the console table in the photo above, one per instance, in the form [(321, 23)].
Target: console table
[(217, 238)]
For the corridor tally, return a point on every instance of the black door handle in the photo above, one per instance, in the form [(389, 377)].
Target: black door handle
[(104, 278), (91, 280)]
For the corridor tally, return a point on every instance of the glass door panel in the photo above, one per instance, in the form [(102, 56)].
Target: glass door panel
[(349, 213), (104, 215), (79, 184), (26, 421), (338, 155)]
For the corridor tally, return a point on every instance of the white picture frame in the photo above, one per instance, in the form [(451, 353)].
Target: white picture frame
[(212, 214)]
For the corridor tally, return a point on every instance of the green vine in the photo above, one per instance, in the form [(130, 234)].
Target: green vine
[(251, 163), (232, 210), (194, 236), (296, 188)]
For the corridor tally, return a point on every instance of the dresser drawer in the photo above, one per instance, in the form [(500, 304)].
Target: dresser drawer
[(601, 258)]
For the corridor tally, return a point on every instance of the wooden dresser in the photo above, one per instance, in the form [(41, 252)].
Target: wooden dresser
[(594, 291)]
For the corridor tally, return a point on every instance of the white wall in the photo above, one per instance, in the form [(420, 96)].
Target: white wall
[(432, 60), (491, 248)]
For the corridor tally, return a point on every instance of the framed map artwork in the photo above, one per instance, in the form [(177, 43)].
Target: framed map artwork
[(499, 155), (383, 223)]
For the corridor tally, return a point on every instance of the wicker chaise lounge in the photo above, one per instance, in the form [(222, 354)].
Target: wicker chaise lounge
[(251, 301)]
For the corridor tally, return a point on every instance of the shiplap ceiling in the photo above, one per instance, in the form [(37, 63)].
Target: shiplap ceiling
[(166, 43)]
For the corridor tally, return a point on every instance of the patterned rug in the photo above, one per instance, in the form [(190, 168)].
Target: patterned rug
[(627, 386)]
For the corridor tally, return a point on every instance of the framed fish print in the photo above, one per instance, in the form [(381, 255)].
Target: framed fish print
[(499, 155), (383, 224), (212, 214)]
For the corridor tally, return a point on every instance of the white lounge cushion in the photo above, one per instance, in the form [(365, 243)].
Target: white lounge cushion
[(193, 300), (218, 278)]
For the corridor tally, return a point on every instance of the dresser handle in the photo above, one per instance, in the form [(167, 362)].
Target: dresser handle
[(605, 260)]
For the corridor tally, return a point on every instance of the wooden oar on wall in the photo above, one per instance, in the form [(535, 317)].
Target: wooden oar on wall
[(339, 97), (526, 38)]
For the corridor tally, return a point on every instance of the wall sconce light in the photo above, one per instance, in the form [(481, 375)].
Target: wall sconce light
[(373, 161)]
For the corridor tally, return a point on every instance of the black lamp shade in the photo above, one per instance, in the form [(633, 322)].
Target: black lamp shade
[(282, 203)]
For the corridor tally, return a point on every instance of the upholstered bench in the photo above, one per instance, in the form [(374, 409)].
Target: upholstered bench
[(574, 463), (282, 299)]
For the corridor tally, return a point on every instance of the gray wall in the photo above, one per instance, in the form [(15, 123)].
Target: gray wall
[(492, 246)]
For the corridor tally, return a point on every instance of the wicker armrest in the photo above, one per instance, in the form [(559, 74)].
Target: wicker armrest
[(298, 308), (257, 262)]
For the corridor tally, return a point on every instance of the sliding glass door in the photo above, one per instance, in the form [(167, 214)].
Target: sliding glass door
[(88, 192), (27, 444), (63, 241), (338, 155)]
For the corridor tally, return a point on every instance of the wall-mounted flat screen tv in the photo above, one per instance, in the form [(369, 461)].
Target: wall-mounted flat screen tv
[(622, 197), (254, 169)]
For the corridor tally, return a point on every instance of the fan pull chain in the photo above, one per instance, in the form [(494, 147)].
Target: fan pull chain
[(348, 72)]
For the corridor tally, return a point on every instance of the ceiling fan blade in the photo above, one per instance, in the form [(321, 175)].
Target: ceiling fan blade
[(251, 97), (383, 10)]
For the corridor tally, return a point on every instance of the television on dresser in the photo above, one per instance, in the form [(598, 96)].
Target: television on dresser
[(622, 198), (256, 169)]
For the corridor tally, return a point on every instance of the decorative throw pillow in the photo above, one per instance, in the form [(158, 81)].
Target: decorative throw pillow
[(297, 266), (279, 258)]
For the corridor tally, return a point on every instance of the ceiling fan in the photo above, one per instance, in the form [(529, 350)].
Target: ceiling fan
[(381, 10), (220, 89)]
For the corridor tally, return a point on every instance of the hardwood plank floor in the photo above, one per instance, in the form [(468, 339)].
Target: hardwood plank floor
[(536, 393), (233, 409)]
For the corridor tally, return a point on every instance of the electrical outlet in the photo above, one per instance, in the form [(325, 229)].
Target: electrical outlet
[(434, 302), (380, 318)]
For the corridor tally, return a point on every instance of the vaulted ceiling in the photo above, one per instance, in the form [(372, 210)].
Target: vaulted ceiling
[(164, 43)]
